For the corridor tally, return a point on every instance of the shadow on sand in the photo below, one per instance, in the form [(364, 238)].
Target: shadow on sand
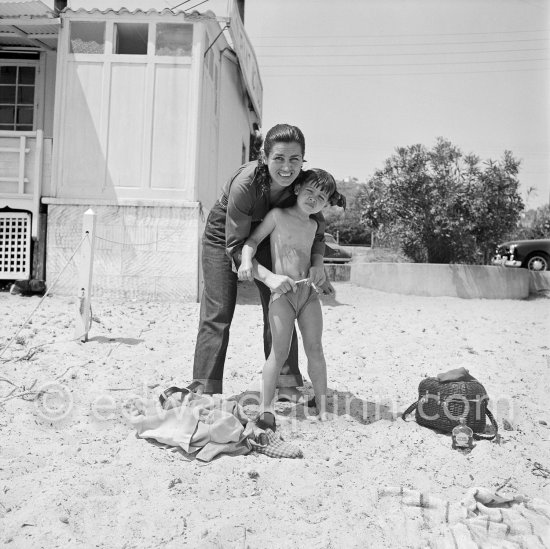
[(124, 340), (339, 403)]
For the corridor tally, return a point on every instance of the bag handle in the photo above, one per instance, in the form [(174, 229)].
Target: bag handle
[(410, 409), (482, 436), (477, 436)]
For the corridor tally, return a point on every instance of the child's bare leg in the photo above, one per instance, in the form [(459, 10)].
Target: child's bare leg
[(311, 328), (281, 321)]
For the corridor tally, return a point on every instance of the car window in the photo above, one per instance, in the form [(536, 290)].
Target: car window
[(329, 238)]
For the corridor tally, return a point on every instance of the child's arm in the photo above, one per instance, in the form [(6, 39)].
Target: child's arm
[(250, 269), (262, 231)]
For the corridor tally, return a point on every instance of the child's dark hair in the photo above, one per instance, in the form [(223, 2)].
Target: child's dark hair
[(326, 183), (280, 133)]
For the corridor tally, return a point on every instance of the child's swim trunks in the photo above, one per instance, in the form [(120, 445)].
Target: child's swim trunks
[(299, 299)]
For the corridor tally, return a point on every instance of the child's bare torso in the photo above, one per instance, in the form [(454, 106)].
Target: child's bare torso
[(291, 243)]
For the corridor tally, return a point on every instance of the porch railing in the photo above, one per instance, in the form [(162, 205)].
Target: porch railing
[(21, 166)]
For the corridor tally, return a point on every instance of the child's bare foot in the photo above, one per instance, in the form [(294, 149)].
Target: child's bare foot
[(324, 416)]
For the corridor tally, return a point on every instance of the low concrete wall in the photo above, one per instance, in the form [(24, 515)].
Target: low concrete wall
[(338, 272), (465, 281)]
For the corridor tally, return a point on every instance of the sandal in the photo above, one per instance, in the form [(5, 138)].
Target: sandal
[(266, 420), (275, 447), (165, 396), (167, 393)]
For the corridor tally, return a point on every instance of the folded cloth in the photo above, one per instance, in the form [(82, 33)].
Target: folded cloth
[(203, 425), (484, 519), (208, 426), (458, 374), (276, 447)]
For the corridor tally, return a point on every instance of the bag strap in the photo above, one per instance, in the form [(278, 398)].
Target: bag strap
[(477, 436), (410, 409), (481, 436)]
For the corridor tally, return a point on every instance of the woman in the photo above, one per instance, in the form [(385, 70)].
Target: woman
[(252, 191)]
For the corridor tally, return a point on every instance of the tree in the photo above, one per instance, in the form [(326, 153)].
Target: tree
[(347, 224), (535, 224), (442, 206)]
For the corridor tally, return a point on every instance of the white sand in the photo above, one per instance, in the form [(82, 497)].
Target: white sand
[(85, 482)]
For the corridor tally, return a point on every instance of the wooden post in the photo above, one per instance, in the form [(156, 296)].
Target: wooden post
[(84, 310), (21, 175), (37, 182)]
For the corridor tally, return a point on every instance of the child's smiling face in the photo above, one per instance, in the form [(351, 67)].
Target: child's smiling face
[(311, 199)]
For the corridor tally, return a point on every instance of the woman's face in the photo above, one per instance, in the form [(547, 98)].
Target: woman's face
[(284, 163)]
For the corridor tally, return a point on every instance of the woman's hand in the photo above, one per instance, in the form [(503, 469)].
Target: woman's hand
[(246, 271), (327, 288), (317, 275), (280, 284)]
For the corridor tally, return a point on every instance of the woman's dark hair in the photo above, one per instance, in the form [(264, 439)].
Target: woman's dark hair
[(284, 133), (280, 133)]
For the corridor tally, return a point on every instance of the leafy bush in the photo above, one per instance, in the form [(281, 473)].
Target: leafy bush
[(442, 206), (348, 226), (535, 224)]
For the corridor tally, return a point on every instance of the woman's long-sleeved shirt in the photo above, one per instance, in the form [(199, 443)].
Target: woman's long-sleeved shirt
[(246, 204)]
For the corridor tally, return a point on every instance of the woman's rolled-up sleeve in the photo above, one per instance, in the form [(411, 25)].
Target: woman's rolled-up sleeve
[(319, 241), (239, 215)]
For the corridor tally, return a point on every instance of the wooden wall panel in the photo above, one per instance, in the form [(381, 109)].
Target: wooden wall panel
[(82, 158), (170, 127), (126, 125)]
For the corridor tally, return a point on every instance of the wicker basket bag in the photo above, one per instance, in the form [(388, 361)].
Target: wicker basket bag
[(440, 405)]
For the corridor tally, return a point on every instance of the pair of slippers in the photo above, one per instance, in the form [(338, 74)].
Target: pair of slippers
[(271, 443)]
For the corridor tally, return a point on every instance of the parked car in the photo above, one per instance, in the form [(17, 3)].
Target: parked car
[(334, 253), (529, 254)]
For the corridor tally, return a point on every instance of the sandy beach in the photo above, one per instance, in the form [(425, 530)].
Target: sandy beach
[(74, 474)]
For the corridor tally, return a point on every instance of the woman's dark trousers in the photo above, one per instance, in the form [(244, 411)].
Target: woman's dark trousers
[(218, 301)]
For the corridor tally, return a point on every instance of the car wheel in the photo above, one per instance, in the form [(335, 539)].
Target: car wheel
[(538, 261)]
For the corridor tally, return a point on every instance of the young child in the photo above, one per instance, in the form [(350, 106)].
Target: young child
[(291, 231)]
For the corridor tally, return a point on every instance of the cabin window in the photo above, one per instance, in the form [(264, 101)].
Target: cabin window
[(174, 39), (17, 91), (131, 38), (87, 37)]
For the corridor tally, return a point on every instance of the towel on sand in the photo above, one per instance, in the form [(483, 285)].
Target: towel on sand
[(482, 520), (204, 426), (207, 427)]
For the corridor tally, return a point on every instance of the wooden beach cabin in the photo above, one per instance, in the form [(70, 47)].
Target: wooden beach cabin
[(136, 112)]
